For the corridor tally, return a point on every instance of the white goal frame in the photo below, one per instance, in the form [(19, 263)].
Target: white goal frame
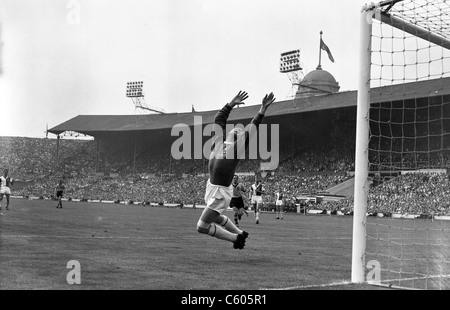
[(362, 185)]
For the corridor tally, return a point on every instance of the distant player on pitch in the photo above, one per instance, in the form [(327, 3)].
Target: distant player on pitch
[(5, 182), (256, 193), (237, 202), (60, 189), (279, 204), (222, 165)]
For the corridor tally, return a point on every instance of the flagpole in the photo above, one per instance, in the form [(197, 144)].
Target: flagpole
[(320, 52)]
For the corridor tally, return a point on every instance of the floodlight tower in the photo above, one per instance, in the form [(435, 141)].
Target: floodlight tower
[(291, 65), (135, 92)]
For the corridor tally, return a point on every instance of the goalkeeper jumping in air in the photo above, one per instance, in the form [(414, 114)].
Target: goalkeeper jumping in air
[(222, 165)]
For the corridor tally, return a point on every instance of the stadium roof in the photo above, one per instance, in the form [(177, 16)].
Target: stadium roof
[(92, 124)]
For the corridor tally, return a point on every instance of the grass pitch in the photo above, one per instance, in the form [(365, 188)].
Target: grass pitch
[(157, 248)]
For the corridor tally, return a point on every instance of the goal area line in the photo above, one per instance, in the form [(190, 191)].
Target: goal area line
[(385, 283), (310, 286)]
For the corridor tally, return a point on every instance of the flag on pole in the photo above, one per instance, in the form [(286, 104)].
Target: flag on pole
[(326, 49)]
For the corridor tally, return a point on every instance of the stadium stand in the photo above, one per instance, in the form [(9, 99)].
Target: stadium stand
[(309, 173), (129, 158)]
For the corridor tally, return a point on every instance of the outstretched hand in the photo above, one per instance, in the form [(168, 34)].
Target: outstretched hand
[(239, 99), (266, 102)]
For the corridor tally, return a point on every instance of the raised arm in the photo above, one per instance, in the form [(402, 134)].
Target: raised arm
[(257, 120), (266, 102), (222, 116)]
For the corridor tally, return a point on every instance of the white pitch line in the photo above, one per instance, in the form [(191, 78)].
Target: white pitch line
[(309, 286), (87, 237), (383, 283), (154, 238), (415, 278), (349, 282)]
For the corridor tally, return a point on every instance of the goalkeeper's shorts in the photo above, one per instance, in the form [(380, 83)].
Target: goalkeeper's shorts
[(218, 197)]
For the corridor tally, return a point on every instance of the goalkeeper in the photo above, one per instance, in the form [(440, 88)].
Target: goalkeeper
[(222, 165)]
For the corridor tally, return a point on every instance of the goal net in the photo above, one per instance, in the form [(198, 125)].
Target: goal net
[(401, 228)]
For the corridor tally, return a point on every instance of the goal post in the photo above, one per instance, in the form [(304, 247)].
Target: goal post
[(361, 149), (403, 112)]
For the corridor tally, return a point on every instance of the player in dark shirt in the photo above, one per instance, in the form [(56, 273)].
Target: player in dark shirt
[(60, 189), (237, 201), (222, 165)]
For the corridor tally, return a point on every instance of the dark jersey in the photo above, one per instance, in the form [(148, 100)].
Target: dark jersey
[(60, 188), (222, 168)]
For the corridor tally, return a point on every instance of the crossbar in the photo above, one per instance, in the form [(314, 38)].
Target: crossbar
[(413, 29)]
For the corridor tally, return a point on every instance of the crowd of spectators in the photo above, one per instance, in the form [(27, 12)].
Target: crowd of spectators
[(158, 178), (31, 159), (412, 193), (317, 160)]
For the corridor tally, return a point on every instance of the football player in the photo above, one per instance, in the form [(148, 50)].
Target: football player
[(5, 182), (222, 165)]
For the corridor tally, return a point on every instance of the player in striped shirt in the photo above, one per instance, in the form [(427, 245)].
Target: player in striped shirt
[(5, 182), (256, 192), (279, 204)]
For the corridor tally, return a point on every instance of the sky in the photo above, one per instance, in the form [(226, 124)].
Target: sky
[(64, 58)]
